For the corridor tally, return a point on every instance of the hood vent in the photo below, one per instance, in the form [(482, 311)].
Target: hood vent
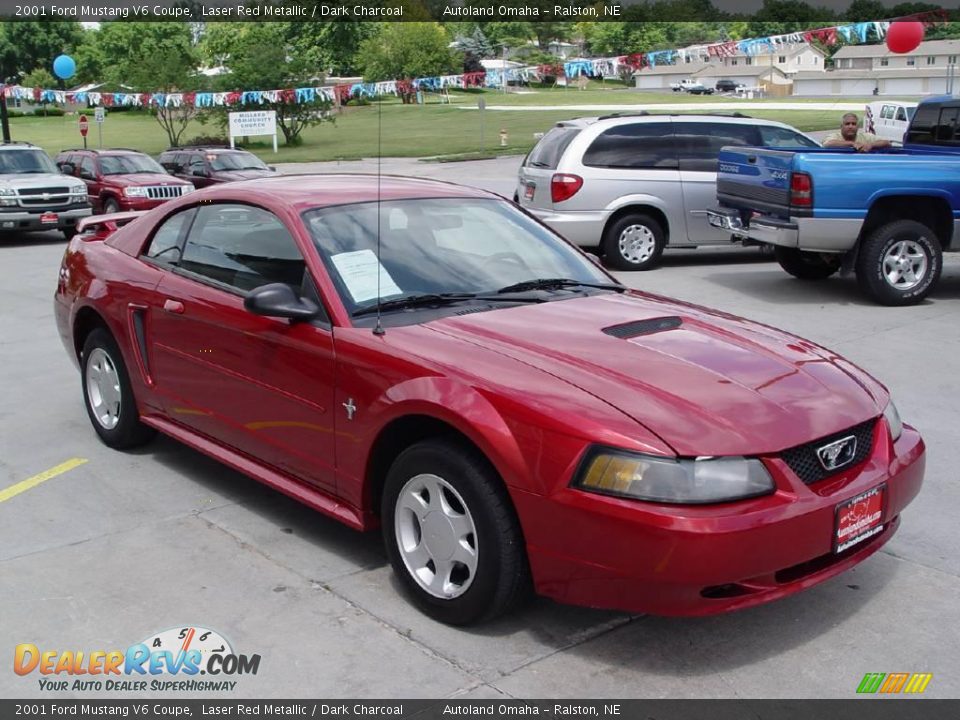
[(471, 310), (643, 327)]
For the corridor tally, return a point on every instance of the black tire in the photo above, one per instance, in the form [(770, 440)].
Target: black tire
[(69, 233), (649, 232), (110, 206), (128, 431), (872, 260), (500, 579), (808, 265)]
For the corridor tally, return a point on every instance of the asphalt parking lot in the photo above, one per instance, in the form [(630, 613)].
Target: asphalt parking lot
[(123, 545)]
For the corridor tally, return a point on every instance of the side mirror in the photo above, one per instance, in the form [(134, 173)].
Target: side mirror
[(271, 167), (67, 168), (279, 300)]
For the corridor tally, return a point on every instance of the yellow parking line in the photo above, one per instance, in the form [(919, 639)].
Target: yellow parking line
[(32, 482)]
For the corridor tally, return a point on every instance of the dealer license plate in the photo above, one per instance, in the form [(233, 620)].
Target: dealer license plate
[(49, 219), (859, 518)]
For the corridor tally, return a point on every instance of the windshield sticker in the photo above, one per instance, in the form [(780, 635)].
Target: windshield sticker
[(358, 270)]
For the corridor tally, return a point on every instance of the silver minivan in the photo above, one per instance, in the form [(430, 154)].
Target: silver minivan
[(631, 185)]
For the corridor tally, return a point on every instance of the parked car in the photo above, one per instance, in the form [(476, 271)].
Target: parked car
[(691, 86), (121, 179), (888, 214), (631, 185), (205, 166), (34, 195), (889, 119), (728, 86), (426, 358)]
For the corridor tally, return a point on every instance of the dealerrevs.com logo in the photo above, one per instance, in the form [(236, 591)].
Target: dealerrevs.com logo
[(171, 660)]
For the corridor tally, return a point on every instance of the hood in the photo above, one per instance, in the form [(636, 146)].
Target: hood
[(705, 382), (231, 175), (40, 180), (143, 179)]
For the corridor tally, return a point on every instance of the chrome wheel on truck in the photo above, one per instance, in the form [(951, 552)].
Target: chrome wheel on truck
[(899, 262)]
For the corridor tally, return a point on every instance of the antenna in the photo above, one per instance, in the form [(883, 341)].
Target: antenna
[(378, 328)]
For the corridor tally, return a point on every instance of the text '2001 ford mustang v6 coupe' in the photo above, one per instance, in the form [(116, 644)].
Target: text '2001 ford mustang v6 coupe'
[(429, 359)]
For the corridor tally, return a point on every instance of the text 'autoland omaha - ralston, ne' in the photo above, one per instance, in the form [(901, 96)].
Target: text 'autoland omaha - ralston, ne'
[(525, 11)]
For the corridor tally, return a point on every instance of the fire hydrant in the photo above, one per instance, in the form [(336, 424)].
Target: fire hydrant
[(503, 137)]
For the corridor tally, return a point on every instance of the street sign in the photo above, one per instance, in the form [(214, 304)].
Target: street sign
[(98, 114), (83, 126)]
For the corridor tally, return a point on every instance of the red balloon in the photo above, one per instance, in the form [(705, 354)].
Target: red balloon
[(903, 37)]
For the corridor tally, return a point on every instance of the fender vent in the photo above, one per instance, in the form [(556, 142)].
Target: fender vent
[(643, 327)]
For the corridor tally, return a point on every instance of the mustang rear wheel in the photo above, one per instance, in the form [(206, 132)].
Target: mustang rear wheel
[(452, 534), (107, 394), (899, 262), (807, 265)]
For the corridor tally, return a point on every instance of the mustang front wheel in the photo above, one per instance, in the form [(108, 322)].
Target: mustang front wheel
[(451, 533)]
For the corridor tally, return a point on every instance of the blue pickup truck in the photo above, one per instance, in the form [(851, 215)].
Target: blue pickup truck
[(887, 215)]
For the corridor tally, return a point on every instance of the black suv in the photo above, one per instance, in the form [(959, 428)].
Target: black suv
[(728, 86), (207, 165)]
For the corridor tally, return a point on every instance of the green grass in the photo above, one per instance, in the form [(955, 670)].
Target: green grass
[(428, 130)]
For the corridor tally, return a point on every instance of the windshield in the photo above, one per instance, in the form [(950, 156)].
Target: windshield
[(14, 162), (236, 161), (128, 165), (439, 246)]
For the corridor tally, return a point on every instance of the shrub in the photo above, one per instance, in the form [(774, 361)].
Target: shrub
[(207, 140), (49, 111)]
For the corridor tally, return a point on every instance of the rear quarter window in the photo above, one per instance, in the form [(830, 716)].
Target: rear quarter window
[(551, 147), (635, 146)]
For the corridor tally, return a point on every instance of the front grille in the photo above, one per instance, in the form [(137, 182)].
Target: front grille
[(26, 192), (44, 201), (164, 192), (804, 462)]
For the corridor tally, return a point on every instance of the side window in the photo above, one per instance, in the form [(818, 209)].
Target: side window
[(67, 159), (945, 131), (169, 162), (87, 170), (773, 136), (699, 143), (197, 166), (242, 246), (901, 114), (635, 146), (887, 112), (165, 246)]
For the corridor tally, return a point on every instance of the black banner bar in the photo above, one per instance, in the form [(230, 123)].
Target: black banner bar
[(806, 14), (874, 708)]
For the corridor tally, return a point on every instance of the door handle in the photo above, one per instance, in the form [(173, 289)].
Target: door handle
[(173, 306)]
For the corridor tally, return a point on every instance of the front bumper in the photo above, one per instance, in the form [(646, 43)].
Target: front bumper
[(134, 204), (14, 219), (671, 560)]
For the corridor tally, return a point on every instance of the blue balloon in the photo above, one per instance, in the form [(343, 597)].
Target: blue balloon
[(64, 67)]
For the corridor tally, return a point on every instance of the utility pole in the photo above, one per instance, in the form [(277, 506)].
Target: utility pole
[(4, 120)]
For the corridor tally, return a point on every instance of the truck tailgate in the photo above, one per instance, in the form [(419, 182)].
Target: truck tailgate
[(755, 179)]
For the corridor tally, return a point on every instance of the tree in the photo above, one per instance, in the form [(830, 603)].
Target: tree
[(153, 57), (865, 11), (474, 47), (28, 45), (408, 50), (260, 56)]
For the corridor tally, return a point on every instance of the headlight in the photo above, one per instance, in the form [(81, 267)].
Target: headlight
[(8, 196), (79, 191), (188, 188), (644, 477), (893, 420), (139, 192)]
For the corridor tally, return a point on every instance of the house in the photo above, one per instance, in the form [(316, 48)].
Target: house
[(660, 77), (788, 59), (928, 55), (908, 81)]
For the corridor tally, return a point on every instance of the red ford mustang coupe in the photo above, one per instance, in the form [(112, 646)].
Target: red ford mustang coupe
[(428, 359)]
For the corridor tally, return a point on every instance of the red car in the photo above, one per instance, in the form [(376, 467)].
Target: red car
[(122, 179), (429, 359)]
